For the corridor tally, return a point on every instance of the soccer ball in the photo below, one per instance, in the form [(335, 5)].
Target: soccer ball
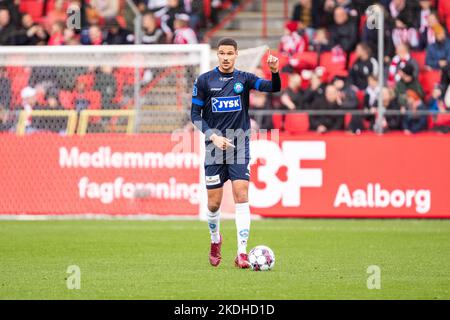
[(261, 258)]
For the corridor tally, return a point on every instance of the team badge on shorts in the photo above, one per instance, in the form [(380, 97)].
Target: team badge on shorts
[(238, 87)]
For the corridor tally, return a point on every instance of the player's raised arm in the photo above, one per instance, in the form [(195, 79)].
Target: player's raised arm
[(274, 85)]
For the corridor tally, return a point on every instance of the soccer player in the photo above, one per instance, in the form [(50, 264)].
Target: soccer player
[(220, 102)]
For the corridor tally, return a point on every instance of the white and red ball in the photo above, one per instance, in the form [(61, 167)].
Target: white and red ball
[(261, 258)]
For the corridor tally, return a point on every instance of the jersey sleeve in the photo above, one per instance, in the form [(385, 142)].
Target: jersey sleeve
[(262, 85), (198, 101), (199, 92)]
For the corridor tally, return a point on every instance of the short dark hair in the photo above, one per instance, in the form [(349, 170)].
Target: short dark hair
[(227, 42)]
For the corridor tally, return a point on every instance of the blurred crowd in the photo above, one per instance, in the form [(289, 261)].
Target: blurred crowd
[(46, 22), (88, 22), (329, 61)]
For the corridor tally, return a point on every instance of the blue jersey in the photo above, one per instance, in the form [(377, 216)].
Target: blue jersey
[(220, 103), (222, 99)]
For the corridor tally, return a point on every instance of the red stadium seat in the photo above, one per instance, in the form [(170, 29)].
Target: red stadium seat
[(428, 79), (442, 120), (362, 24), (360, 94), (51, 5), (332, 66), (88, 79), (33, 7), (296, 123), (305, 60), (19, 77), (66, 99), (420, 57), (95, 97), (277, 121), (444, 10), (347, 120)]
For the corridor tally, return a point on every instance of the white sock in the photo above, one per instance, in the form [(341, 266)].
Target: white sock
[(242, 225), (214, 225)]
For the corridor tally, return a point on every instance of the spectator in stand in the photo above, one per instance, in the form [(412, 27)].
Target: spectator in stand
[(344, 33), (325, 13), (407, 11), (81, 99), (151, 34), (43, 78), (216, 6), (50, 124), (370, 36), (364, 66), (436, 103), (315, 89), (174, 7), (438, 54), (433, 20), (408, 81), (92, 19), (425, 12), (183, 33), (403, 56), (346, 98), (350, 8), (328, 101), (106, 84), (29, 102), (306, 12), (57, 14), (7, 29), (292, 42), (390, 103), (95, 35), (106, 8), (412, 122), (389, 122), (403, 34), (57, 34), (371, 95), (292, 97), (321, 41), (31, 34), (158, 7), (14, 11), (70, 37), (116, 34), (196, 12)]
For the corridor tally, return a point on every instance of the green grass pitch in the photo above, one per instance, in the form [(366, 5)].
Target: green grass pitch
[(315, 259)]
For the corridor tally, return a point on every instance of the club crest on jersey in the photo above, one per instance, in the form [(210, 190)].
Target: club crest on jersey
[(226, 104), (238, 87)]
